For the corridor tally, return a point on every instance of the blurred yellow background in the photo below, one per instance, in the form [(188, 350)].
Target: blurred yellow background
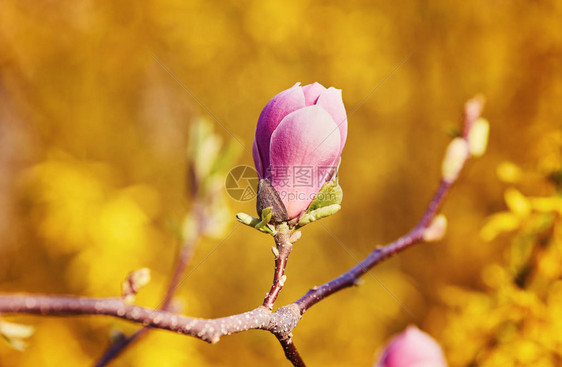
[(93, 161)]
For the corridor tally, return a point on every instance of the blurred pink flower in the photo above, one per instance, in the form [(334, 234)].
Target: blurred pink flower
[(299, 139), (412, 348)]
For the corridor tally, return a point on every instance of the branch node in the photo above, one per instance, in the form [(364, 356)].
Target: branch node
[(284, 320), (436, 230)]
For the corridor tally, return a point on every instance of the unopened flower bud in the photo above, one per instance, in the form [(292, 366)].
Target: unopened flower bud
[(134, 282), (247, 219), (412, 348), (456, 155), (478, 137), (301, 128), (436, 229)]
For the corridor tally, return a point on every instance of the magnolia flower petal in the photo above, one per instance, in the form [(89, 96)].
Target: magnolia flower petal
[(280, 106), (412, 347), (331, 100), (302, 147), (312, 92), (257, 160)]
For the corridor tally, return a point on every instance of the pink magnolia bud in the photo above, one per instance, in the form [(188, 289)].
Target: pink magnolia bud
[(412, 348), (299, 139)]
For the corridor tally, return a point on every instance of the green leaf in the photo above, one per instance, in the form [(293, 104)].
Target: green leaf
[(319, 214), (247, 219), (253, 222), (331, 193), (266, 215)]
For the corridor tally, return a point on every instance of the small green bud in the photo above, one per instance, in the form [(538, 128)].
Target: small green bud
[(478, 137), (247, 219), (457, 153), (319, 214), (330, 193), (436, 229), (266, 215)]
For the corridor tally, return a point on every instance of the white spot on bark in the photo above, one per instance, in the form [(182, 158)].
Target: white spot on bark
[(30, 303)]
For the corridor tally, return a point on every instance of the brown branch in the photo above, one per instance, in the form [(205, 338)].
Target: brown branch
[(184, 258), (119, 346), (280, 323), (291, 351), (209, 330), (472, 111), (281, 251), (350, 277)]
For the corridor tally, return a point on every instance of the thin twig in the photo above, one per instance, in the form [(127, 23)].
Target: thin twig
[(291, 351), (119, 346), (350, 277), (184, 258), (282, 250)]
